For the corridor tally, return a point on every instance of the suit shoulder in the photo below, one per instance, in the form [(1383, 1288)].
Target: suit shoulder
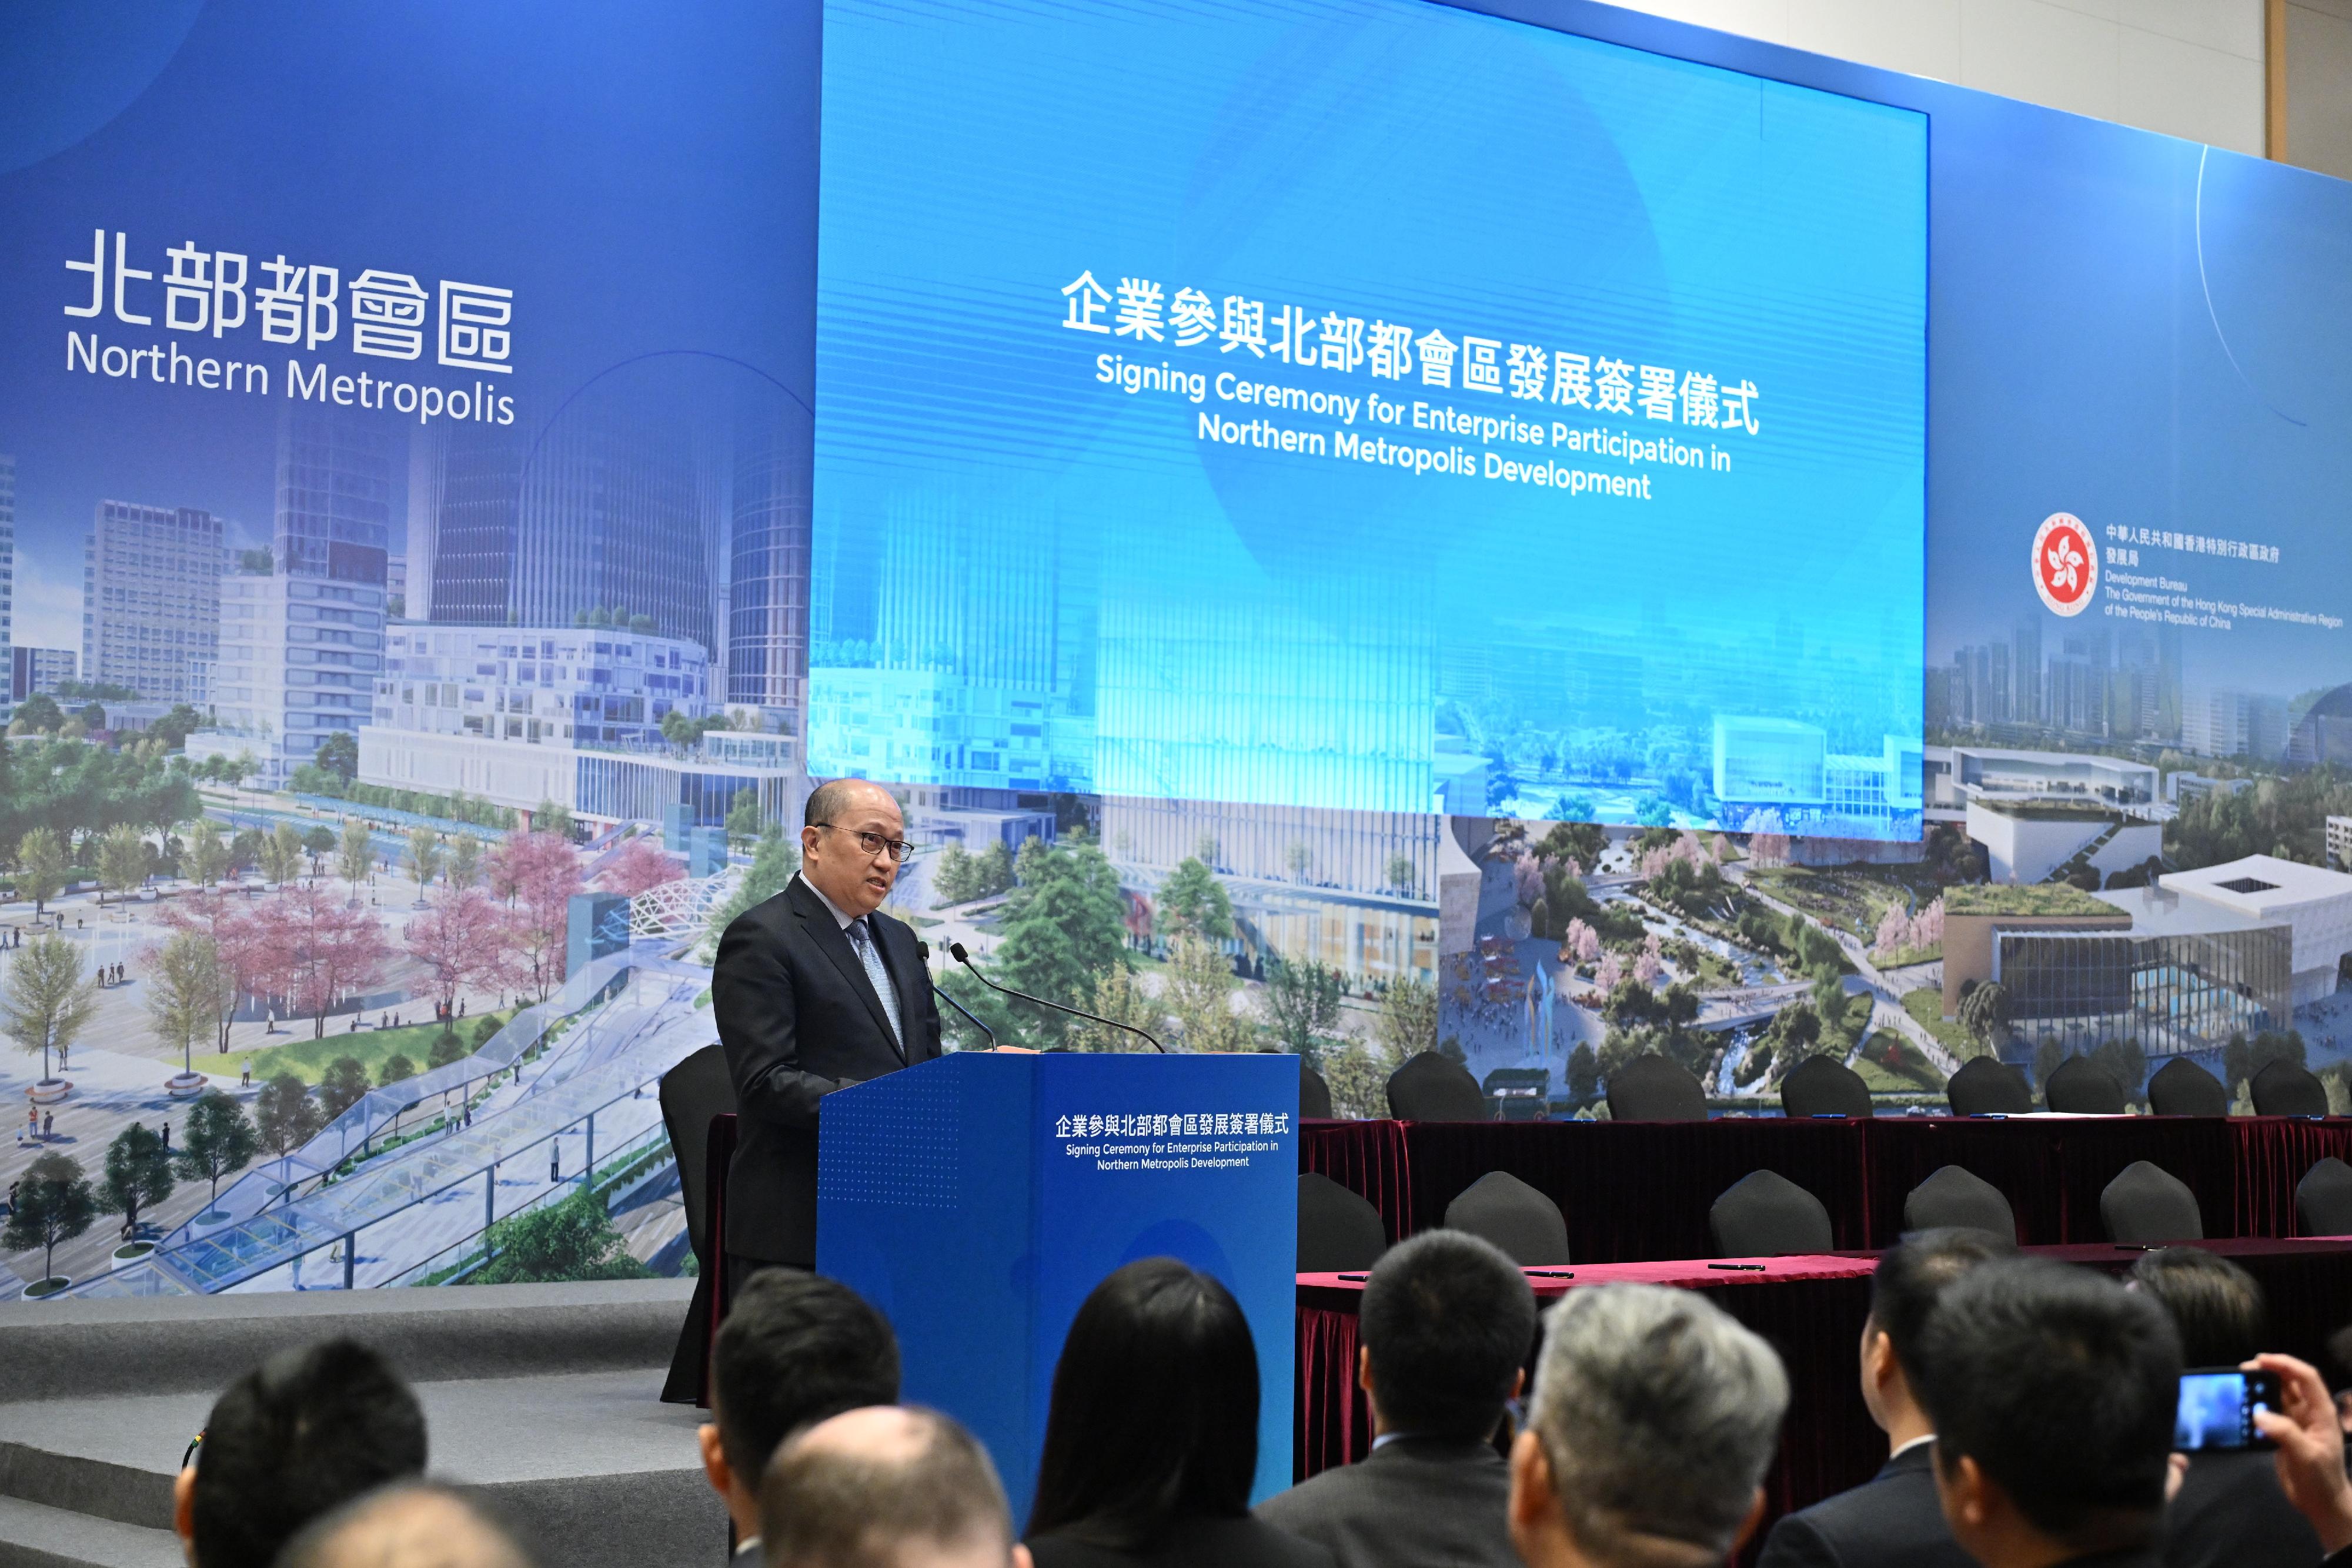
[(1311, 1499)]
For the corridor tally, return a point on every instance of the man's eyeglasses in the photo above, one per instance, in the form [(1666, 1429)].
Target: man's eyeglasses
[(195, 1447), (875, 843)]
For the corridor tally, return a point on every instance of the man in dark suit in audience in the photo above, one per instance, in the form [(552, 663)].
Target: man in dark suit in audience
[(814, 991), (2052, 1391), (2230, 1511), (1446, 1322), (1893, 1519)]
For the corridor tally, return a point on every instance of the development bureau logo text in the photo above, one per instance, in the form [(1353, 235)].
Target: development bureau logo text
[(2065, 564)]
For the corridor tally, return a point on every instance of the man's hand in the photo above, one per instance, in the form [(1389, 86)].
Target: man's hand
[(1012, 1051), (2310, 1448)]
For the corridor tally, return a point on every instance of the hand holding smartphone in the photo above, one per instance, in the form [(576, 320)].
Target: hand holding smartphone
[(2217, 1408)]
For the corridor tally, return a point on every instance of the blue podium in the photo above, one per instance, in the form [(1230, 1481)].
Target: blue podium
[(977, 1199)]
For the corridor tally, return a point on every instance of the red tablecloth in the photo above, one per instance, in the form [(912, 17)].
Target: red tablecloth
[(1810, 1309), (1635, 1190)]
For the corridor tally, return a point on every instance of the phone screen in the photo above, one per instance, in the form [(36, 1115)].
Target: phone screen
[(2217, 1408)]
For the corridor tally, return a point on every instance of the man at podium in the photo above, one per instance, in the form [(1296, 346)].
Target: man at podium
[(814, 990)]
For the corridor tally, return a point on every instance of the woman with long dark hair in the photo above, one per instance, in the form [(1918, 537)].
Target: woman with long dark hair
[(1151, 1440)]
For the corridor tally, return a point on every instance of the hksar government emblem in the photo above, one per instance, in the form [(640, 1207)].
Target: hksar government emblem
[(2065, 564)]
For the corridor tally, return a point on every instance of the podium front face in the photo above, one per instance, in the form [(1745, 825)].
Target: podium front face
[(978, 1199)]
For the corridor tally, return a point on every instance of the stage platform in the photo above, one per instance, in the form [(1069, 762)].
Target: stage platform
[(545, 1397)]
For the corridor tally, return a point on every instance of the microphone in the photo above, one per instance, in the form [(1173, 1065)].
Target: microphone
[(942, 992), (955, 951)]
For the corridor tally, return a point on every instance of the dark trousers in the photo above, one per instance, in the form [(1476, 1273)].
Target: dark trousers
[(740, 1269)]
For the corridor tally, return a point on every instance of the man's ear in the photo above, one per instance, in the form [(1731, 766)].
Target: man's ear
[(1532, 1499), (1518, 1382), (183, 1507), (1364, 1368), (715, 1468), (1747, 1526)]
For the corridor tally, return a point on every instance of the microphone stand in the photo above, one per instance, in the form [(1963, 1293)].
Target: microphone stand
[(955, 951), (944, 995)]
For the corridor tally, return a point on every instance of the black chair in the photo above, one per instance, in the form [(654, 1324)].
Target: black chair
[(1984, 1087), (1824, 1086), (692, 1092), (1314, 1094), (1765, 1215), (2082, 1086), (1501, 1209), (2283, 1089), (1653, 1088), (2182, 1088), (1953, 1198), (1433, 1088), (2323, 1199), (1337, 1229), (2145, 1205)]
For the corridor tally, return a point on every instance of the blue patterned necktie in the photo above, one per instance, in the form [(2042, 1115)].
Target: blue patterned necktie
[(861, 938)]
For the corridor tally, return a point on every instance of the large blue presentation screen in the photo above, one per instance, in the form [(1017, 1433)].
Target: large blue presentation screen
[(1364, 405)]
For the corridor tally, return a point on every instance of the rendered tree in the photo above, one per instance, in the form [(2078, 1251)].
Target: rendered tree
[(40, 713), (138, 1173), (1402, 877), (1408, 1018), (122, 861), (538, 873), (743, 817), (447, 1048), (1063, 930), (638, 866), (236, 942), (183, 991), (1116, 996), (1303, 1001), (1584, 1073), (1299, 855), (423, 857), (217, 1141), (281, 854), (772, 865), (339, 754), (572, 1239), (41, 867), (319, 843), (319, 951), (341, 1085), (354, 855), (206, 858), (46, 1002), (551, 817), (285, 1117), (465, 868), (1193, 901), (1200, 988), (462, 941), (54, 1204), (396, 1068)]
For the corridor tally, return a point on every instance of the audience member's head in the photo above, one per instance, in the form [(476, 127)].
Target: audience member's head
[(1446, 1324), (406, 1525), (795, 1349), (301, 1434), (1154, 1413), (1655, 1418), (886, 1488), (2218, 1307), (1911, 1277), (2053, 1390)]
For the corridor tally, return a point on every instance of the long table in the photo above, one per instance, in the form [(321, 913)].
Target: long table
[(1640, 1190), (1812, 1310)]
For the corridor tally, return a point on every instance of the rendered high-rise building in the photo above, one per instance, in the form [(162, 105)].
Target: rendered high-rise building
[(151, 597), (8, 551), (38, 670), (768, 570)]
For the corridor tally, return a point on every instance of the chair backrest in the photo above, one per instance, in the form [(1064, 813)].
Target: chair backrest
[(1954, 1198), (1501, 1209), (1824, 1086), (1984, 1087), (1433, 1088), (1765, 1215), (1653, 1088), (692, 1092), (1314, 1094), (1337, 1229), (2283, 1089), (2147, 1204), (2323, 1199), (2182, 1088), (2082, 1086)]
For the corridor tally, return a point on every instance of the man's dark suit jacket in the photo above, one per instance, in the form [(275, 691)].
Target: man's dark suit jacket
[(1892, 1519), (1415, 1502), (799, 1019)]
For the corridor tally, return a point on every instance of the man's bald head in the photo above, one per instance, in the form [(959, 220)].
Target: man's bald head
[(885, 1487), (844, 853), (416, 1525)]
